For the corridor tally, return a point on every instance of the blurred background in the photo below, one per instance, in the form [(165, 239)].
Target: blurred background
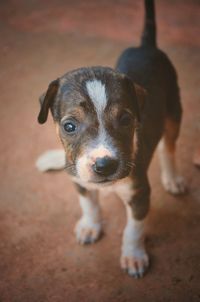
[(39, 258)]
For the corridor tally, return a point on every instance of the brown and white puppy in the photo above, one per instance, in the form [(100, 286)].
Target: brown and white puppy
[(109, 127)]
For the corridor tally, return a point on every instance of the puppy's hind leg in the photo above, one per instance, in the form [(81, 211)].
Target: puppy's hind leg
[(51, 160), (171, 180)]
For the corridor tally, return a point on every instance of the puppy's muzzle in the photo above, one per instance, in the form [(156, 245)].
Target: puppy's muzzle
[(105, 166)]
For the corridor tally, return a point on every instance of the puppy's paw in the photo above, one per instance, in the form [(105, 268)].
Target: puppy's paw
[(87, 232), (51, 160), (136, 263), (174, 185)]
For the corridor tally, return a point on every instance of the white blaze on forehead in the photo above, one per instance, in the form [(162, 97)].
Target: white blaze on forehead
[(97, 93), (102, 145)]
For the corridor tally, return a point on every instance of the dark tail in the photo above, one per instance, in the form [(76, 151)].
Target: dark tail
[(149, 32)]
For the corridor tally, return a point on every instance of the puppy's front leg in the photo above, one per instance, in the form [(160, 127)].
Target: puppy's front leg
[(134, 258), (88, 228)]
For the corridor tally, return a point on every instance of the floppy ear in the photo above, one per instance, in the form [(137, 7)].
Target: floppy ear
[(46, 100), (141, 95)]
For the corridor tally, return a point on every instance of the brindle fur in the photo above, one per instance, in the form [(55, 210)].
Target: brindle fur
[(145, 83), (71, 98)]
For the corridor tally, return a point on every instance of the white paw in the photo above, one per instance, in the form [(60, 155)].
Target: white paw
[(87, 232), (136, 263), (51, 160), (174, 185)]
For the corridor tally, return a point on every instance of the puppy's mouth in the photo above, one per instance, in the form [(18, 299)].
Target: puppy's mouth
[(110, 180), (104, 181), (87, 175)]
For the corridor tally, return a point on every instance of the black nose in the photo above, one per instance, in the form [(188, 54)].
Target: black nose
[(105, 166)]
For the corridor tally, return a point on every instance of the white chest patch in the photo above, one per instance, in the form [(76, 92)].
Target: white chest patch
[(97, 93)]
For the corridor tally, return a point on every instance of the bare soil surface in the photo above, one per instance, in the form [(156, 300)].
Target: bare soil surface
[(39, 257)]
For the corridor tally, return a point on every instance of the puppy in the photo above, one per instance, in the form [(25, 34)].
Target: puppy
[(110, 122)]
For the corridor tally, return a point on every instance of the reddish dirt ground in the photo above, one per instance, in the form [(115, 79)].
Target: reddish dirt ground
[(39, 257)]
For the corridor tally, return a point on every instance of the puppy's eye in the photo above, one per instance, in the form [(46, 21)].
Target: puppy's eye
[(69, 127), (125, 119)]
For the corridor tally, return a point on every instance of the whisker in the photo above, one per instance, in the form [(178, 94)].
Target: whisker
[(130, 164), (69, 167)]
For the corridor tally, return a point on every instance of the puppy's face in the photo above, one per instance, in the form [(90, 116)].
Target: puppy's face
[(96, 112)]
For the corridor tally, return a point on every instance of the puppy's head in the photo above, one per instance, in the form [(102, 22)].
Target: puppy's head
[(96, 111)]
